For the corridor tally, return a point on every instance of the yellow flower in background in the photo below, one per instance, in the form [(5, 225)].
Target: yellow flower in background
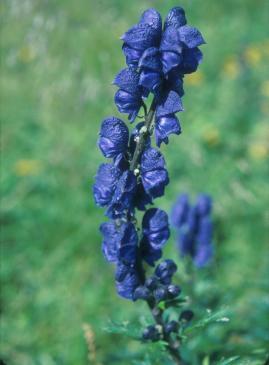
[(26, 54), (258, 151), (211, 136), (26, 167), (195, 78), (253, 55), (265, 88), (231, 68)]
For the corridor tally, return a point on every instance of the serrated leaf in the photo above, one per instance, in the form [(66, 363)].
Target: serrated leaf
[(211, 317), (124, 328), (228, 361)]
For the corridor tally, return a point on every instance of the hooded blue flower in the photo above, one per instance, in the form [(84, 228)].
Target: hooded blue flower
[(128, 98), (179, 44), (166, 122), (122, 200), (153, 172), (114, 137), (194, 227), (145, 34), (119, 242), (155, 227), (164, 126), (106, 181)]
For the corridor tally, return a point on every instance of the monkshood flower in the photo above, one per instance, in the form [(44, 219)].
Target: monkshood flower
[(128, 98), (158, 56), (153, 172), (114, 137), (194, 228), (161, 59)]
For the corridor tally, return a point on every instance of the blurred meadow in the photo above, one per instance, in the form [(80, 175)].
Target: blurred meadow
[(58, 59)]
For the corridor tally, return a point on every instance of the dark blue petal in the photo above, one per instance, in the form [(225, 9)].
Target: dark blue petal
[(129, 239), (191, 60), (171, 41), (127, 286), (180, 211), (132, 55), (122, 270), (165, 126), (152, 18), (175, 82), (128, 80), (170, 60), (151, 80), (121, 161), (151, 59), (154, 182), (105, 183), (153, 172), (170, 104), (148, 253), (142, 36), (152, 159), (156, 228), (128, 103), (175, 18), (111, 242), (119, 242), (114, 137), (141, 198), (190, 36), (123, 197), (204, 204)]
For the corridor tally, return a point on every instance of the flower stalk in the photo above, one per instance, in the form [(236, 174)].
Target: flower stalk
[(158, 56)]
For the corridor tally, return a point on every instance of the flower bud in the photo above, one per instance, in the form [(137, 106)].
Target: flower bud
[(160, 294), (141, 292), (151, 333), (151, 282), (172, 326), (186, 315), (173, 290)]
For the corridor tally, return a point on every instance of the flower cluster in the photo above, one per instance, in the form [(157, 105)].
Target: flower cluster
[(157, 58), (194, 228)]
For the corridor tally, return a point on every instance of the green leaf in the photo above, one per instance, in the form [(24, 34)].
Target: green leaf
[(124, 328), (229, 361), (210, 317)]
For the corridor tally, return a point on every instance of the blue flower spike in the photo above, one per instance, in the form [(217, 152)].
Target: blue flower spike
[(158, 56)]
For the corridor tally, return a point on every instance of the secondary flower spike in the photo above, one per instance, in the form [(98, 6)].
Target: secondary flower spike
[(194, 228)]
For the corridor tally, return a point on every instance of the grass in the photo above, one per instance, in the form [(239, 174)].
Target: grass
[(58, 61)]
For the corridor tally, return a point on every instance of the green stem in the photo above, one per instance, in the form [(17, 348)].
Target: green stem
[(143, 136), (171, 346)]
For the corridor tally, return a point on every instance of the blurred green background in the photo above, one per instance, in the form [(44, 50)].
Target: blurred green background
[(58, 59)]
